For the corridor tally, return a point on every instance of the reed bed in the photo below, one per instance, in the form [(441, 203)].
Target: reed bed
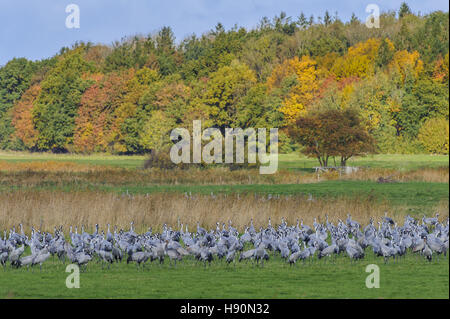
[(120, 176), (51, 166), (429, 175), (47, 209)]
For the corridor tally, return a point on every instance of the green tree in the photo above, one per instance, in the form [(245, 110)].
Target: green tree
[(224, 90), (354, 19), (165, 49), (130, 115), (431, 37), (260, 54), (327, 18), (15, 79), (404, 10), (132, 52), (212, 51), (259, 109), (155, 134), (302, 21), (434, 135), (385, 53), (58, 101)]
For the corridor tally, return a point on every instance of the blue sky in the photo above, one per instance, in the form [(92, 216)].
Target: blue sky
[(36, 29)]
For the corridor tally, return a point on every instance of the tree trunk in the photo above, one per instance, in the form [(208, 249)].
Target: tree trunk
[(344, 161)]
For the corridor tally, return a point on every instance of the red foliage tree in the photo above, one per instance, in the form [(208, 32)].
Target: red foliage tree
[(22, 117), (93, 123), (330, 133)]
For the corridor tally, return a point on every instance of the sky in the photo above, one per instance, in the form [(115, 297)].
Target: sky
[(36, 29)]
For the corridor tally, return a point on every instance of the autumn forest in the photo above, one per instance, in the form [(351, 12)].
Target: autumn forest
[(126, 97)]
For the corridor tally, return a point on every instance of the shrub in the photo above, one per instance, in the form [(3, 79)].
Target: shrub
[(433, 135), (160, 159)]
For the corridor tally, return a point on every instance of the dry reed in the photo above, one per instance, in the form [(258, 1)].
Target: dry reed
[(429, 175), (48, 209)]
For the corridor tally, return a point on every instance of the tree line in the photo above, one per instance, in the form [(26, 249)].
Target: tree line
[(127, 97)]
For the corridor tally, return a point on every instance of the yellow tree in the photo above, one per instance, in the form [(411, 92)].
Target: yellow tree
[(302, 93), (124, 133), (404, 62), (359, 60)]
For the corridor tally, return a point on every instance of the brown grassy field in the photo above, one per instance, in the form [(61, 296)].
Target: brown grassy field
[(60, 173), (49, 206), (48, 209)]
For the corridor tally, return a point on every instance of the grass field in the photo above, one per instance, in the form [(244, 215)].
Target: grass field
[(410, 194), (288, 161), (409, 278), (90, 189), (395, 161), (413, 194)]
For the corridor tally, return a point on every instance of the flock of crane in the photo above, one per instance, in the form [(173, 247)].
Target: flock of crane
[(427, 237)]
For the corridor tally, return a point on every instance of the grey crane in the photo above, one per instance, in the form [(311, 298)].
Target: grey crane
[(159, 253), (305, 253), (231, 257), (388, 219), (431, 220), (172, 253), (106, 257), (427, 252), (26, 261), (294, 257), (436, 246), (205, 256), (82, 259), (247, 254), (15, 255), (41, 258), (139, 257), (389, 240), (328, 251), (3, 258), (260, 253), (419, 246), (117, 254), (200, 230)]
